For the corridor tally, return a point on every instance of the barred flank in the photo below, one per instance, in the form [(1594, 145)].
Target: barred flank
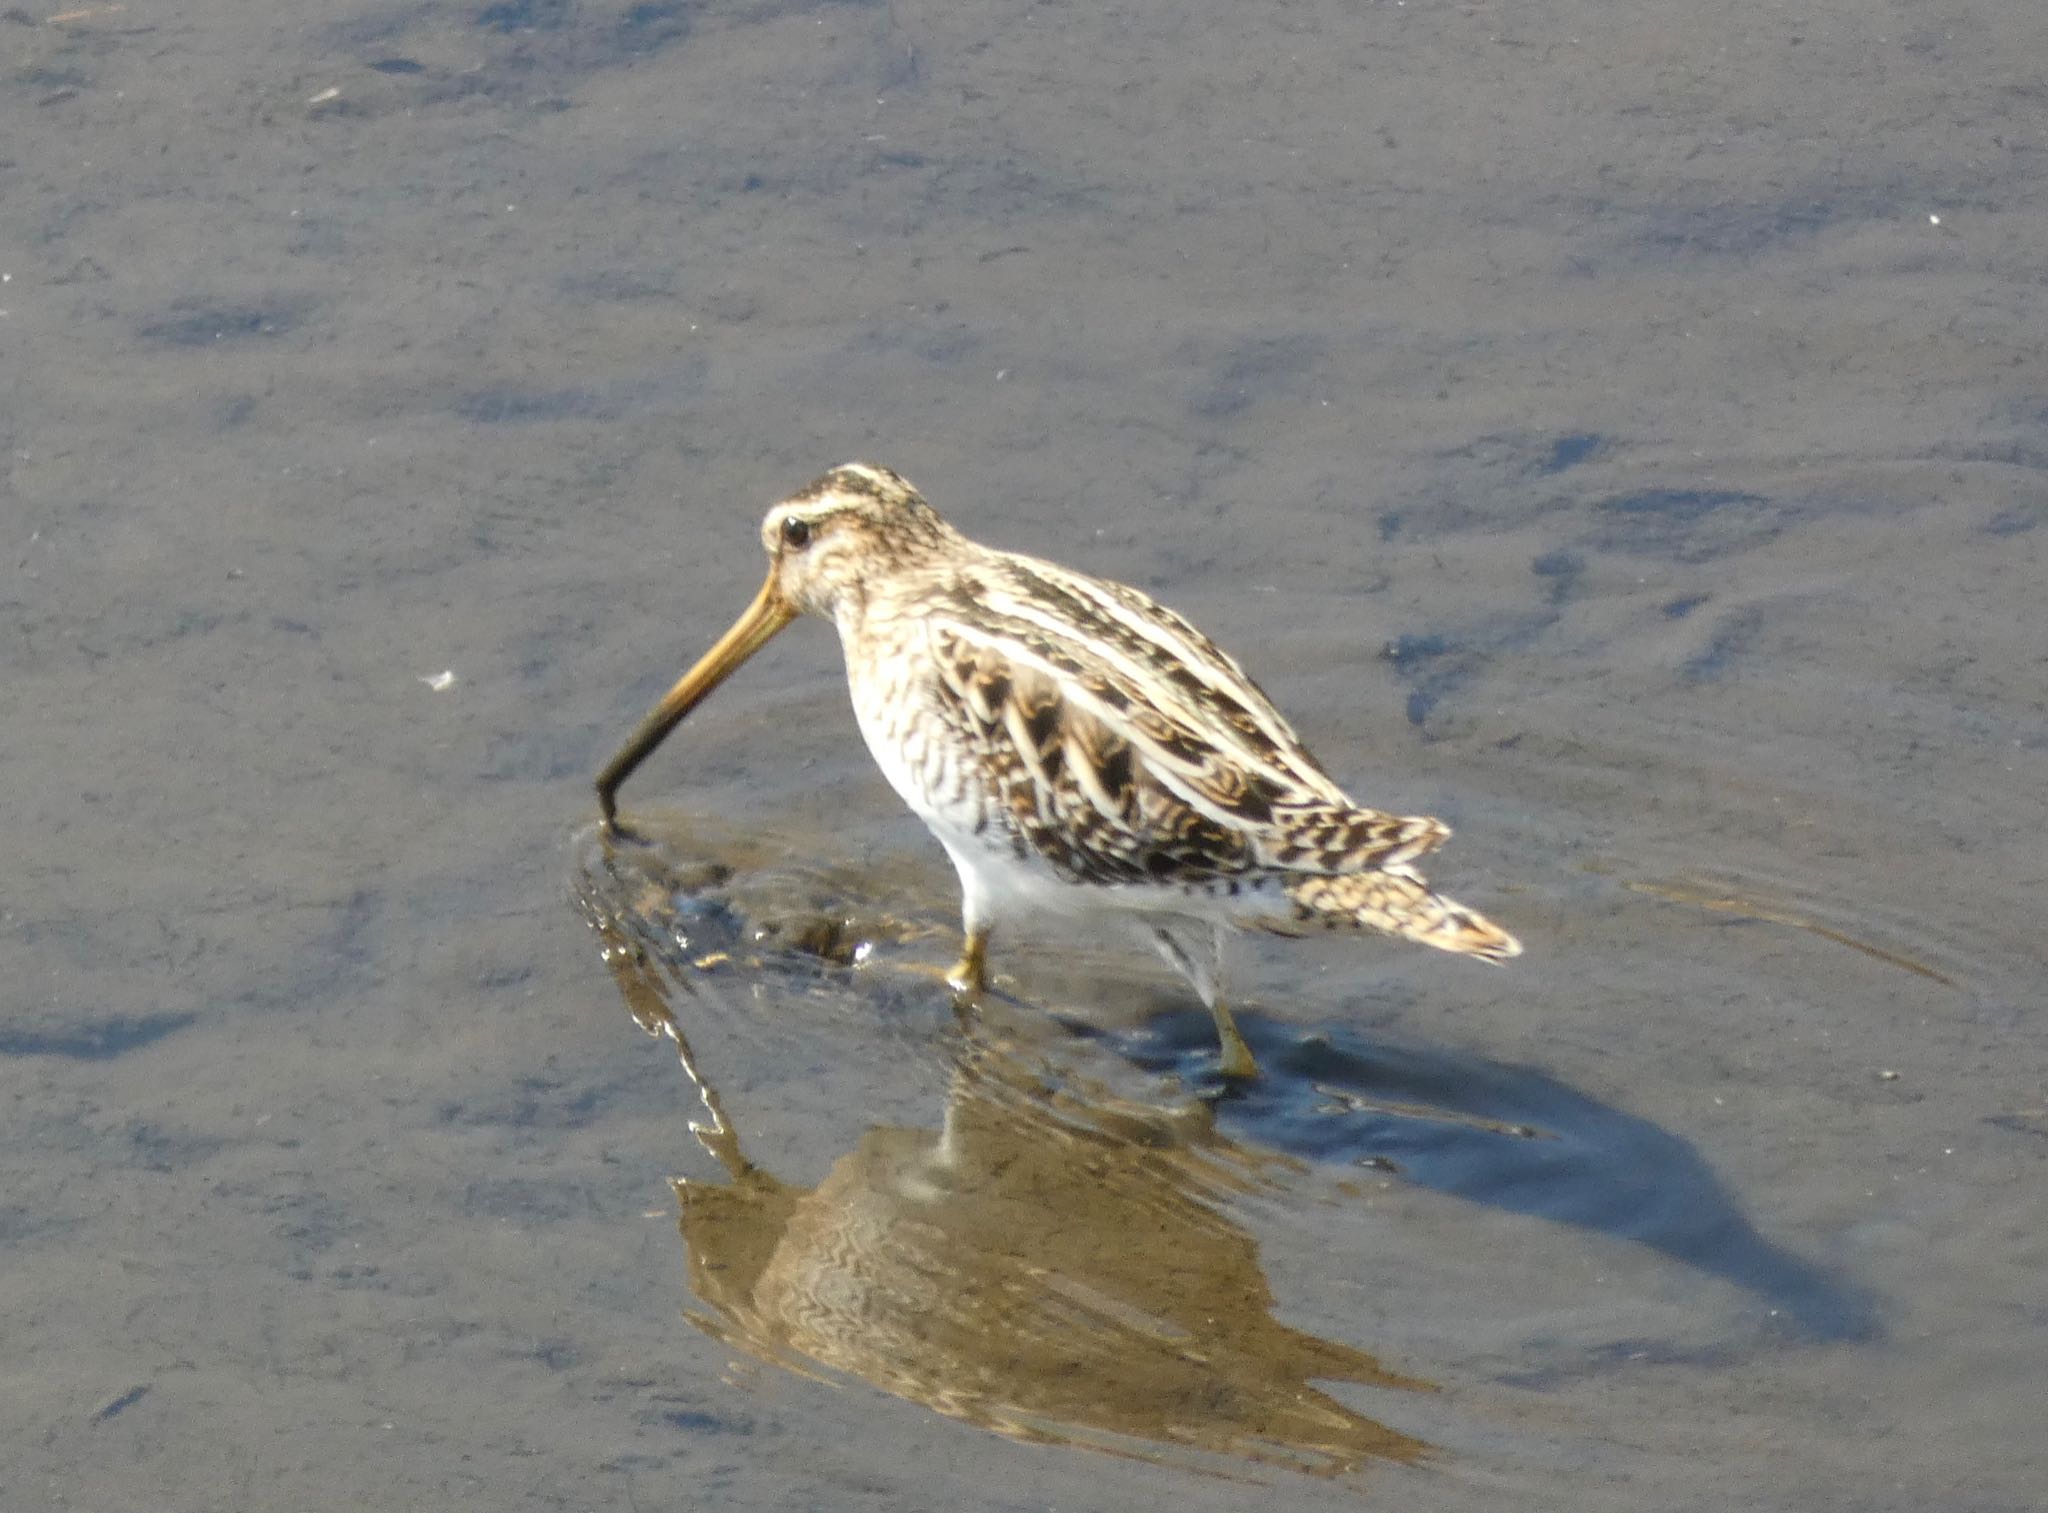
[(1403, 906)]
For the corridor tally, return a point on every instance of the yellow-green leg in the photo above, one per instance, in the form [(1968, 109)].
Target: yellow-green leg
[(969, 977), (1197, 952), (1238, 1062)]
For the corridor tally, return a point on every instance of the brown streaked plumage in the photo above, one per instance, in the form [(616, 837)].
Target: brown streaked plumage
[(1074, 745)]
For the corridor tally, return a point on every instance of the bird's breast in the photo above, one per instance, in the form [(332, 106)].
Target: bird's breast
[(922, 741)]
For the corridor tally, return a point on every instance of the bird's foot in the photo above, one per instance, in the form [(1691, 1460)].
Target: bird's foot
[(1237, 1064), (969, 976)]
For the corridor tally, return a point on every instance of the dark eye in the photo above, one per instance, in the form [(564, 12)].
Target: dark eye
[(796, 532)]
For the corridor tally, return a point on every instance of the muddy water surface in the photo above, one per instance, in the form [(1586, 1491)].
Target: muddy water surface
[(1622, 433)]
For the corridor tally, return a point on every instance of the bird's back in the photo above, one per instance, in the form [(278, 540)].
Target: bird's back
[(1119, 743)]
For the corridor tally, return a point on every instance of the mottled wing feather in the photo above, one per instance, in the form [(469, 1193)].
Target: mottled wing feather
[(1187, 694), (1125, 747), (1062, 784)]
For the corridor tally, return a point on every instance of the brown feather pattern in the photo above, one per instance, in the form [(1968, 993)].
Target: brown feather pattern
[(1073, 744), (1122, 746), (1052, 717)]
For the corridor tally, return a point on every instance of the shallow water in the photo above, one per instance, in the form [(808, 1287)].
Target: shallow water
[(1620, 434)]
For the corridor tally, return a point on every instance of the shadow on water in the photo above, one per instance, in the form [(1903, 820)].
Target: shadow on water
[(1056, 1261), (1512, 1138)]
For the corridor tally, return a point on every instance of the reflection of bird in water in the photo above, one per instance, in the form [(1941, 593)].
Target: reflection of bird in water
[(1075, 746), (1040, 1267)]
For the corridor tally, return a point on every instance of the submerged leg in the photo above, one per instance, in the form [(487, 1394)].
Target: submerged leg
[(1238, 1061), (969, 977), (1201, 963)]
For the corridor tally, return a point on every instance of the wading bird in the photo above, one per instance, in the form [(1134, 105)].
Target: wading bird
[(1076, 747)]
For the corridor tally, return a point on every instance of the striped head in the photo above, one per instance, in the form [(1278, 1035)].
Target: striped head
[(857, 523), (826, 544)]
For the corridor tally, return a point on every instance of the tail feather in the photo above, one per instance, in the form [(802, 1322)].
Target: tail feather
[(1331, 839), (1399, 904)]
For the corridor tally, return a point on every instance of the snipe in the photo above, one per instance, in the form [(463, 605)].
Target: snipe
[(1075, 746)]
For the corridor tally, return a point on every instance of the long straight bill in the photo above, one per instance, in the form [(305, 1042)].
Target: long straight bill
[(762, 619)]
